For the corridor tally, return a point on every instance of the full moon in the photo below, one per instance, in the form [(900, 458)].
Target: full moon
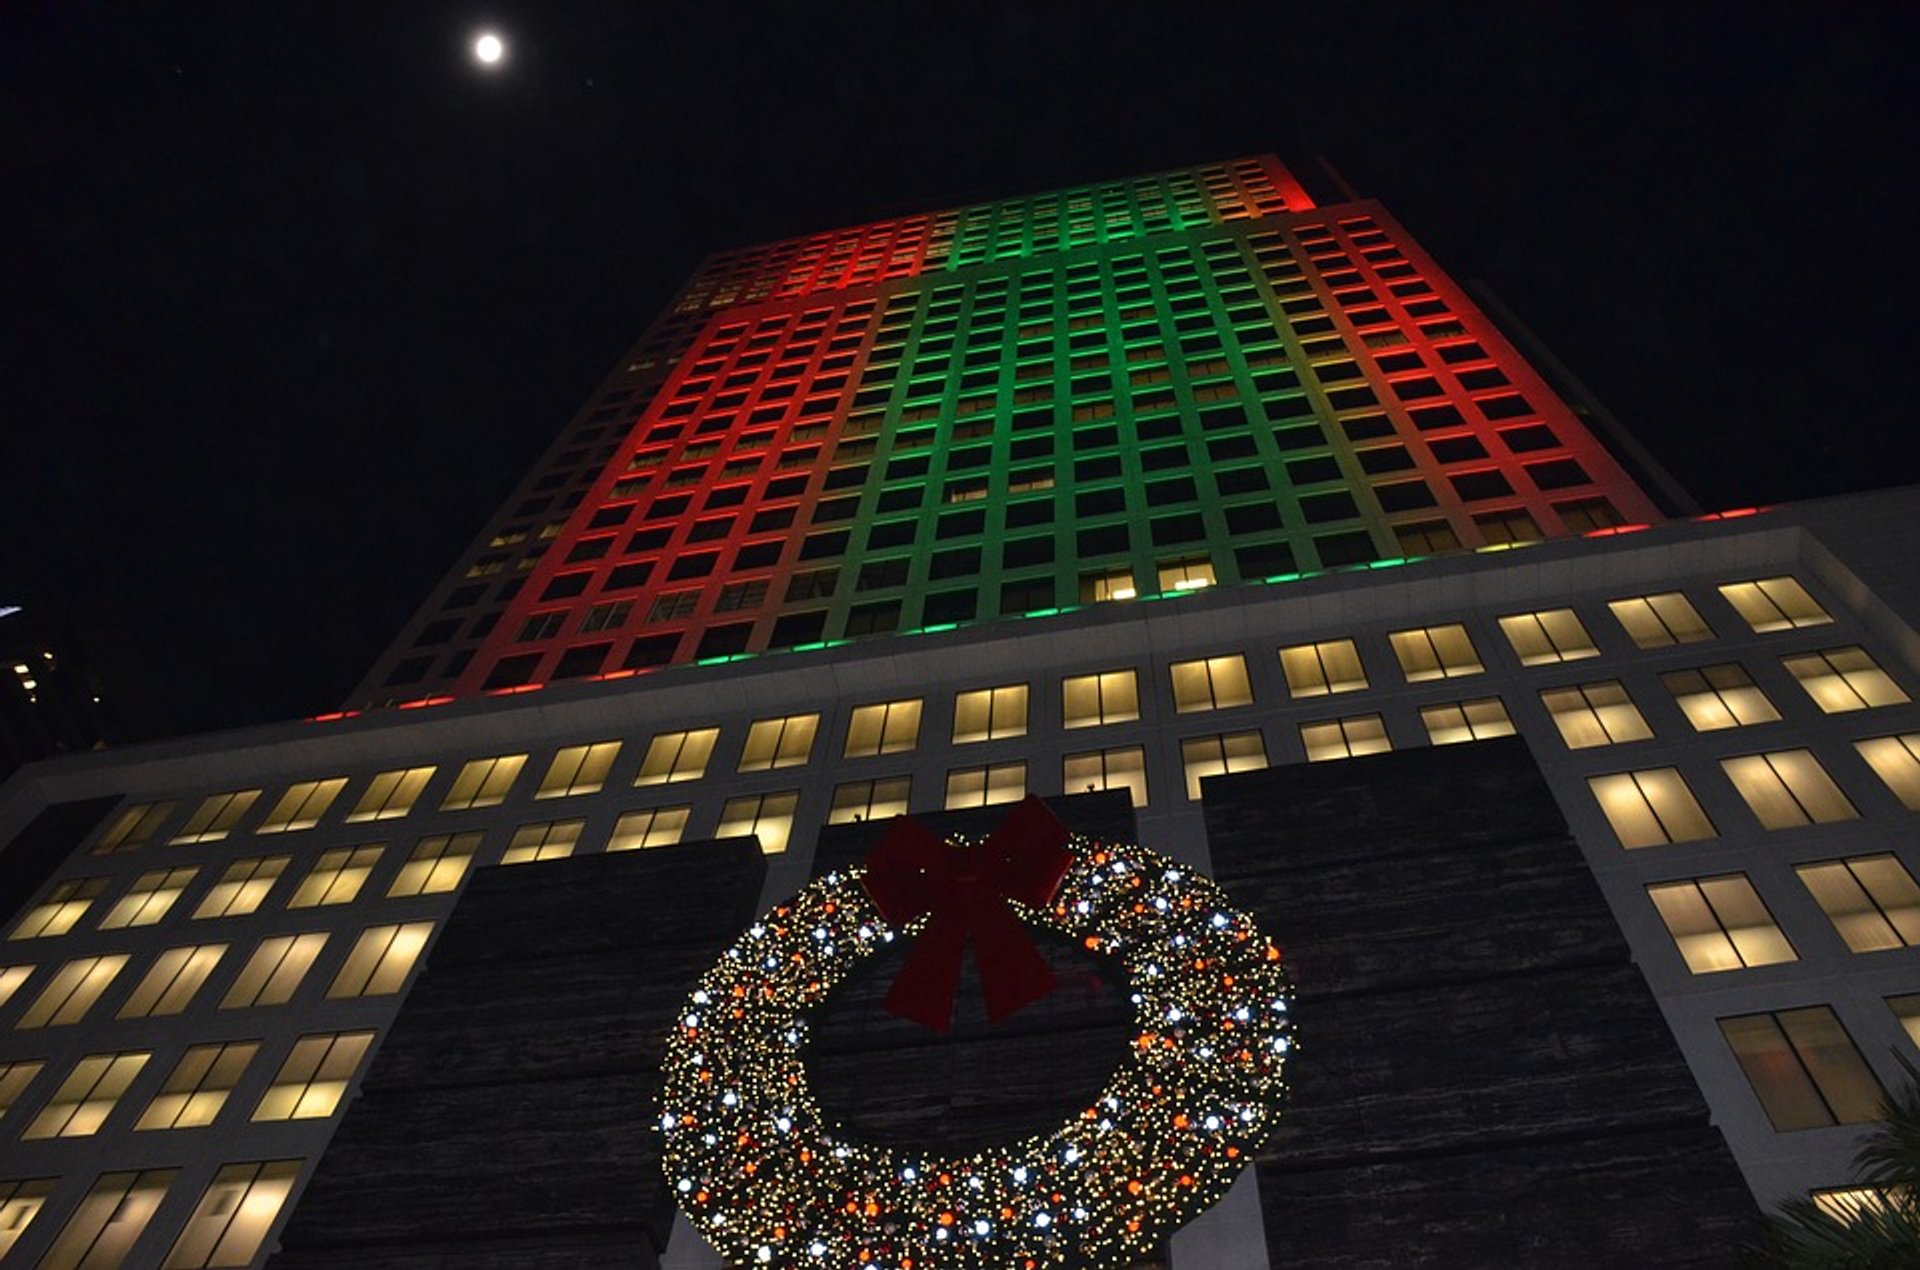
[(489, 49)]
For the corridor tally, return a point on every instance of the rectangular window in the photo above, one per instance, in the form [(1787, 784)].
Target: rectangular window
[(148, 899), (654, 827), (1717, 697), (1651, 807), (1435, 652), (483, 782), (380, 960), (81, 1105), (1456, 721), (1720, 923), (172, 981), (1871, 900), (391, 794), (198, 1086), (547, 840), (302, 805), (1547, 637), (1107, 584), (63, 906), (775, 743), (109, 1221), (72, 991), (275, 970), (869, 800), (1210, 683), (990, 714), (234, 1214), (677, 756), (1895, 760), (1843, 679), (1122, 768), (436, 865), (134, 827), (336, 878), (12, 978), (1595, 714), (1804, 1068), (1774, 604), (315, 1076), (1788, 788), (890, 727), (1186, 573), (20, 1203), (986, 786), (242, 888), (1345, 738), (1204, 756), (1109, 697), (215, 817), (578, 769), (1318, 670), (14, 1079), (1905, 1008), (1660, 621), (770, 816)]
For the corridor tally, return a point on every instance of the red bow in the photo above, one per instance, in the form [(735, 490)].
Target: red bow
[(965, 891)]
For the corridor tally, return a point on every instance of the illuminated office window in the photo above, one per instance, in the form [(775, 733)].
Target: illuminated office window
[(109, 1221), (986, 786), (380, 960), (1453, 722), (1547, 637), (63, 906), (215, 817), (1660, 621), (775, 743), (1345, 738), (72, 991), (483, 782), (1850, 1204), (1204, 756), (1435, 652), (1907, 1010), (578, 769), (336, 878), (890, 727), (391, 795), (1186, 573), (1595, 714), (677, 756), (546, 840), (1895, 760), (1871, 900), (148, 900), (1788, 788), (869, 800), (1317, 670), (1210, 683), (1804, 1068), (12, 978), (1720, 923), (1843, 679), (198, 1087), (172, 981), (1090, 700), (242, 888), (133, 828), (654, 827), (20, 1203), (1651, 807), (990, 714), (302, 805), (436, 866), (14, 1079), (1717, 697), (275, 970), (1774, 604), (1121, 768), (1107, 584), (768, 815), (85, 1098), (234, 1214), (313, 1080)]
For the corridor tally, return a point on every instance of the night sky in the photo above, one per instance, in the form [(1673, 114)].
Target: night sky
[(293, 293)]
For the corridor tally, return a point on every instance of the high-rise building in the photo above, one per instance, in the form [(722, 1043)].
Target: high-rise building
[(1169, 492)]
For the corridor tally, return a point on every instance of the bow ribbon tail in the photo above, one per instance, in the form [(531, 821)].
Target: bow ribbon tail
[(923, 991), (1012, 971)]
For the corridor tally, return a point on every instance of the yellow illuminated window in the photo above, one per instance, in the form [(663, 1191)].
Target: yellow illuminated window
[(148, 900), (891, 727), (1435, 652), (578, 769), (12, 978), (20, 1203), (775, 743), (14, 1079), (1905, 1008), (986, 786), (215, 817), (1107, 584), (869, 800), (1849, 1204), (1871, 900), (1775, 604), (1660, 621), (171, 982), (1717, 697), (1843, 679), (134, 827), (768, 815), (1895, 760), (546, 840), (391, 795), (72, 991), (63, 906), (1788, 788), (380, 960), (275, 970), (234, 1214), (1595, 714), (81, 1105), (1090, 700), (1204, 756), (1458, 721), (483, 782), (1345, 738), (1651, 807), (677, 756), (242, 888), (1720, 923), (336, 877), (436, 865), (1804, 1068), (109, 1221), (990, 714), (315, 1076), (1187, 573), (198, 1086), (654, 827), (1121, 768), (1546, 637), (1210, 683), (1317, 670), (302, 805)]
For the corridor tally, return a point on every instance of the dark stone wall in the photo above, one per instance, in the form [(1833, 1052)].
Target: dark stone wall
[(1483, 1078)]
